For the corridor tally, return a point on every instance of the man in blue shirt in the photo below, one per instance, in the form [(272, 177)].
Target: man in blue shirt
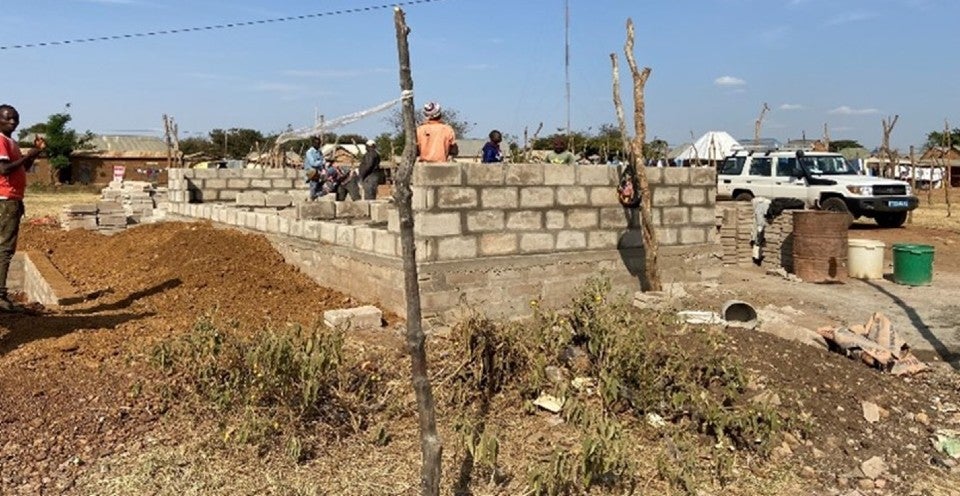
[(313, 165), (491, 150)]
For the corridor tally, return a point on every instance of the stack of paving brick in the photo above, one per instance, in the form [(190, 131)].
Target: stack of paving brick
[(778, 235), (79, 216), (138, 198), (735, 233), (111, 217)]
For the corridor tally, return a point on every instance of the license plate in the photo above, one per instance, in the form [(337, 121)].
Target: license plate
[(898, 203)]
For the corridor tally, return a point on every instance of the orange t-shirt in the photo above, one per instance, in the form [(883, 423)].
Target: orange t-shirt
[(12, 185), (434, 139)]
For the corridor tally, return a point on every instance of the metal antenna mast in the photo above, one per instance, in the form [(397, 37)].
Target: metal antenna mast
[(567, 58)]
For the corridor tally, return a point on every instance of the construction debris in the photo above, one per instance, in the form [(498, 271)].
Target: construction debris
[(877, 344), (360, 318)]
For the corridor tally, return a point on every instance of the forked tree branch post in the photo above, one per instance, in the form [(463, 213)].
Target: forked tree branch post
[(651, 246), (947, 167), (430, 446)]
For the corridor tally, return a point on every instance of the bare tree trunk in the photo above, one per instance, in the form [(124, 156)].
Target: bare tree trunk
[(888, 125), (758, 125), (651, 245), (618, 104), (168, 140), (826, 138), (430, 446)]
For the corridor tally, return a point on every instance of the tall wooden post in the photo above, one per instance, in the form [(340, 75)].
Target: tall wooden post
[(430, 447), (948, 168), (913, 181)]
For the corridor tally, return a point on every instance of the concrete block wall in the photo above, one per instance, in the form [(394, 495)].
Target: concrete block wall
[(466, 211), (38, 279), (223, 185)]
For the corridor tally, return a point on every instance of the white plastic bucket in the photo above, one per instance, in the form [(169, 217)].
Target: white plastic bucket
[(865, 258)]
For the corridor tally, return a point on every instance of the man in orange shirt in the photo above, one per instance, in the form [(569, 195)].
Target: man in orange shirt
[(13, 182), (436, 140)]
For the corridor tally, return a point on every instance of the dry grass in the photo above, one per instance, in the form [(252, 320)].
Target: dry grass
[(50, 202), (933, 211)]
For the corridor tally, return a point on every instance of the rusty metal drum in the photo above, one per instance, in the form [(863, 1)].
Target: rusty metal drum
[(820, 246)]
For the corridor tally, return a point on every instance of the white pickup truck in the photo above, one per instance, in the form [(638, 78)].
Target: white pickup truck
[(820, 179)]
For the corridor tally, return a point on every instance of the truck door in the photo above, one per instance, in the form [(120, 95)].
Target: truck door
[(761, 180), (787, 181)]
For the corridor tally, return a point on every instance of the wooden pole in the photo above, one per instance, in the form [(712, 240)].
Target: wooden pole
[(651, 246), (166, 138), (430, 446), (888, 125), (913, 181), (758, 125), (947, 169)]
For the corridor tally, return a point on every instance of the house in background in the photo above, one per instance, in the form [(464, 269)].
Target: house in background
[(142, 158), (944, 157)]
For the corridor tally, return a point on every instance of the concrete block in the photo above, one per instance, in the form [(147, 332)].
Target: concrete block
[(666, 196), (260, 184), (296, 228), (214, 184), (703, 215), (284, 225), (251, 173), (352, 209), (484, 174), (449, 198), (614, 218), (499, 197), (379, 211), (385, 243), (423, 198), (486, 220), (536, 197), (393, 220), (311, 229), (693, 196), (426, 249), (328, 232), (571, 240), (603, 240), (273, 224), (654, 175), (436, 224), (536, 242), (559, 175), (457, 248), (575, 196), (262, 221), (175, 174), (241, 184), (363, 238), (281, 184), (189, 173), (604, 196), (692, 236), (278, 200), (205, 173), (524, 174), (595, 175), (227, 195), (356, 319), (316, 210), (437, 175), (703, 176), (676, 175), (668, 236), (525, 220), (556, 219), (229, 173), (712, 196), (675, 216), (498, 244), (230, 217), (274, 173), (584, 218), (249, 220)]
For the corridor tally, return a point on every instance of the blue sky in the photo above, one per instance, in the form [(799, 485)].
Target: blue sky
[(847, 63)]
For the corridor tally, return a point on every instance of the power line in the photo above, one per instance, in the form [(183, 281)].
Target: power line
[(214, 27)]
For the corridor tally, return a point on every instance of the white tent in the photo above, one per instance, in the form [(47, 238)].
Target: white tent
[(713, 146)]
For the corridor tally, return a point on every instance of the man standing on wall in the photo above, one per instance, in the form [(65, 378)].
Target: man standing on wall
[(313, 165), (370, 171), (436, 140), (13, 183)]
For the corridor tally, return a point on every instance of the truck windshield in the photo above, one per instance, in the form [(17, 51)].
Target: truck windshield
[(827, 166)]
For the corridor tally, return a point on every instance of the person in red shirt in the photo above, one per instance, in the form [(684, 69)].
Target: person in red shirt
[(436, 140), (13, 183)]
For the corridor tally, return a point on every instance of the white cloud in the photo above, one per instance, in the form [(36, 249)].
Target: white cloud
[(849, 17), (845, 110), (729, 81), (791, 106)]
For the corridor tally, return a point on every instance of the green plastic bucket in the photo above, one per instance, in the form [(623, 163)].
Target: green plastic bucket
[(912, 264)]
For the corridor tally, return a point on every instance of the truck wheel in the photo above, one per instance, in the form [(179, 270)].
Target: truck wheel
[(835, 204), (744, 196), (893, 219)]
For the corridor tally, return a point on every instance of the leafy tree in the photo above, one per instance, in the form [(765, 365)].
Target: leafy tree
[(61, 142), (236, 143), (837, 145), (349, 139), (939, 138)]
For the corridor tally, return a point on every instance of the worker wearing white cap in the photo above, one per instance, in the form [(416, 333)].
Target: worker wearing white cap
[(369, 173)]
